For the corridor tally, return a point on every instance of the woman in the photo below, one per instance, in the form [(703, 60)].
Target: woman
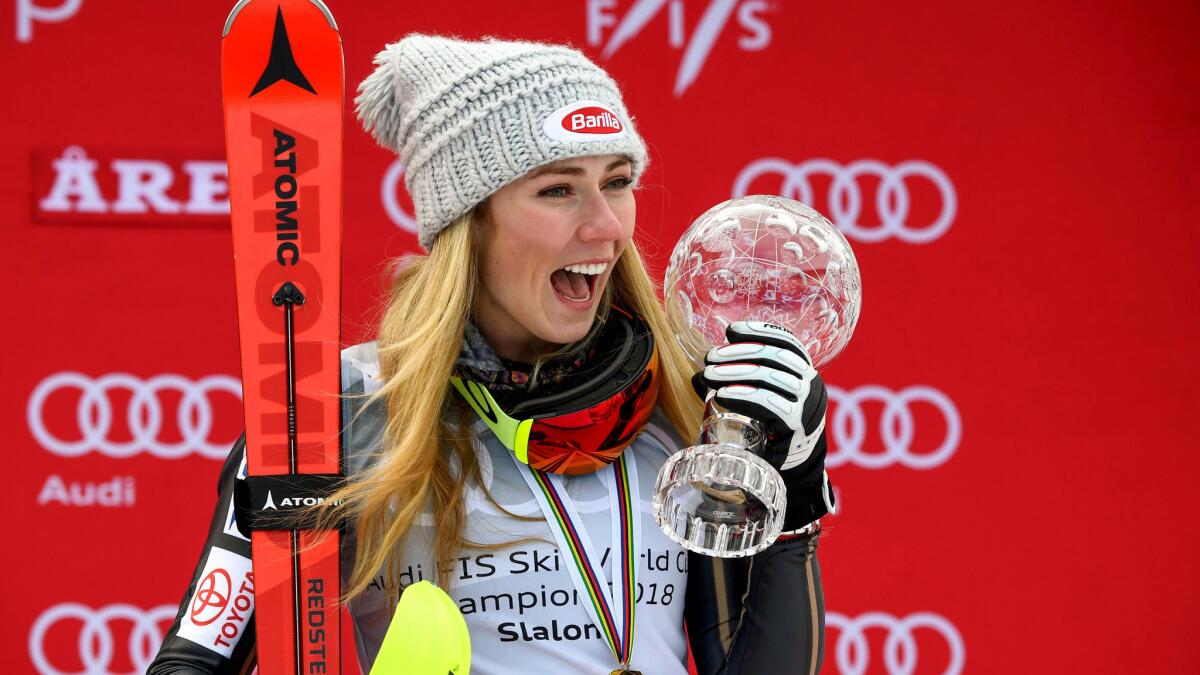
[(522, 160)]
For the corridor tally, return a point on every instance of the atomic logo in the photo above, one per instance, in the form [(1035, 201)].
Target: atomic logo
[(281, 64)]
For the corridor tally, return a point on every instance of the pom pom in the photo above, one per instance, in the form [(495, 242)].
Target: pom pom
[(376, 104)]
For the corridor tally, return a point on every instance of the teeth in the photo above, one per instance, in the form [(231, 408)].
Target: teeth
[(592, 269)]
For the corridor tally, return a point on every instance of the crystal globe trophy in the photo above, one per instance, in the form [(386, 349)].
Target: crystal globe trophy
[(753, 258)]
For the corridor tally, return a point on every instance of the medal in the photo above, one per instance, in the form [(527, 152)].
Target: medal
[(625, 671)]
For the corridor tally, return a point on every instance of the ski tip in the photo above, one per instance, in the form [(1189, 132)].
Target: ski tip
[(242, 3), (233, 15), (328, 15)]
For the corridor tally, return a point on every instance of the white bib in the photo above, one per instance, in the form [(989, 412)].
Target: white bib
[(523, 612)]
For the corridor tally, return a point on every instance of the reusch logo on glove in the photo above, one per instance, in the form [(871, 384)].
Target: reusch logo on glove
[(583, 122)]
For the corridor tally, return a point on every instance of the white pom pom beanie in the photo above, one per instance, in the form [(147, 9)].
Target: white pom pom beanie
[(467, 118)]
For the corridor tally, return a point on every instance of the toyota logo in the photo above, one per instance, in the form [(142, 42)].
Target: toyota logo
[(389, 194), (211, 597), (95, 641), (144, 415), (853, 653), (897, 427), (845, 198)]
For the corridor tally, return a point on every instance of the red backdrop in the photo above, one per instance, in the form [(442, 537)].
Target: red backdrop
[(1010, 426)]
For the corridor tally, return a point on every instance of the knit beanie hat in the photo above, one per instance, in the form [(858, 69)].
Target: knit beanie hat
[(467, 118)]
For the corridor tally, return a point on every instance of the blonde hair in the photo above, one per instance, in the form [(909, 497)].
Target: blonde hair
[(420, 336)]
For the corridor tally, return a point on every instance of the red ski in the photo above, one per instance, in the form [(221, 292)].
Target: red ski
[(283, 87)]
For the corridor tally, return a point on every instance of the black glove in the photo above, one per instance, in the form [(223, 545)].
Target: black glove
[(765, 373)]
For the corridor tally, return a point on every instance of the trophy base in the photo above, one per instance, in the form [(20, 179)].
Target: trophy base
[(720, 500)]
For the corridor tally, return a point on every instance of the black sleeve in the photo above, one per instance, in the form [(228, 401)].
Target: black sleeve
[(762, 614), (180, 655)]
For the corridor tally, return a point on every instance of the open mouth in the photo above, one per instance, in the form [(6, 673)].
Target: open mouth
[(576, 283)]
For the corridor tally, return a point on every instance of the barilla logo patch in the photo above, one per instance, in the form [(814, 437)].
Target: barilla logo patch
[(583, 122), (592, 120)]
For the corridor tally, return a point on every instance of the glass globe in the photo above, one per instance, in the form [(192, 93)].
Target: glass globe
[(765, 258)]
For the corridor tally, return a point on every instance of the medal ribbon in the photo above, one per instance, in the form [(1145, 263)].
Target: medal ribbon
[(614, 619)]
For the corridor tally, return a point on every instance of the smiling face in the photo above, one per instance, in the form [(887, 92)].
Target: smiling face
[(547, 245)]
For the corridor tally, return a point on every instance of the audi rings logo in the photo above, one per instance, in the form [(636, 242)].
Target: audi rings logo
[(211, 597), (897, 427), (845, 198), (144, 415), (390, 195), (95, 640), (900, 655)]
